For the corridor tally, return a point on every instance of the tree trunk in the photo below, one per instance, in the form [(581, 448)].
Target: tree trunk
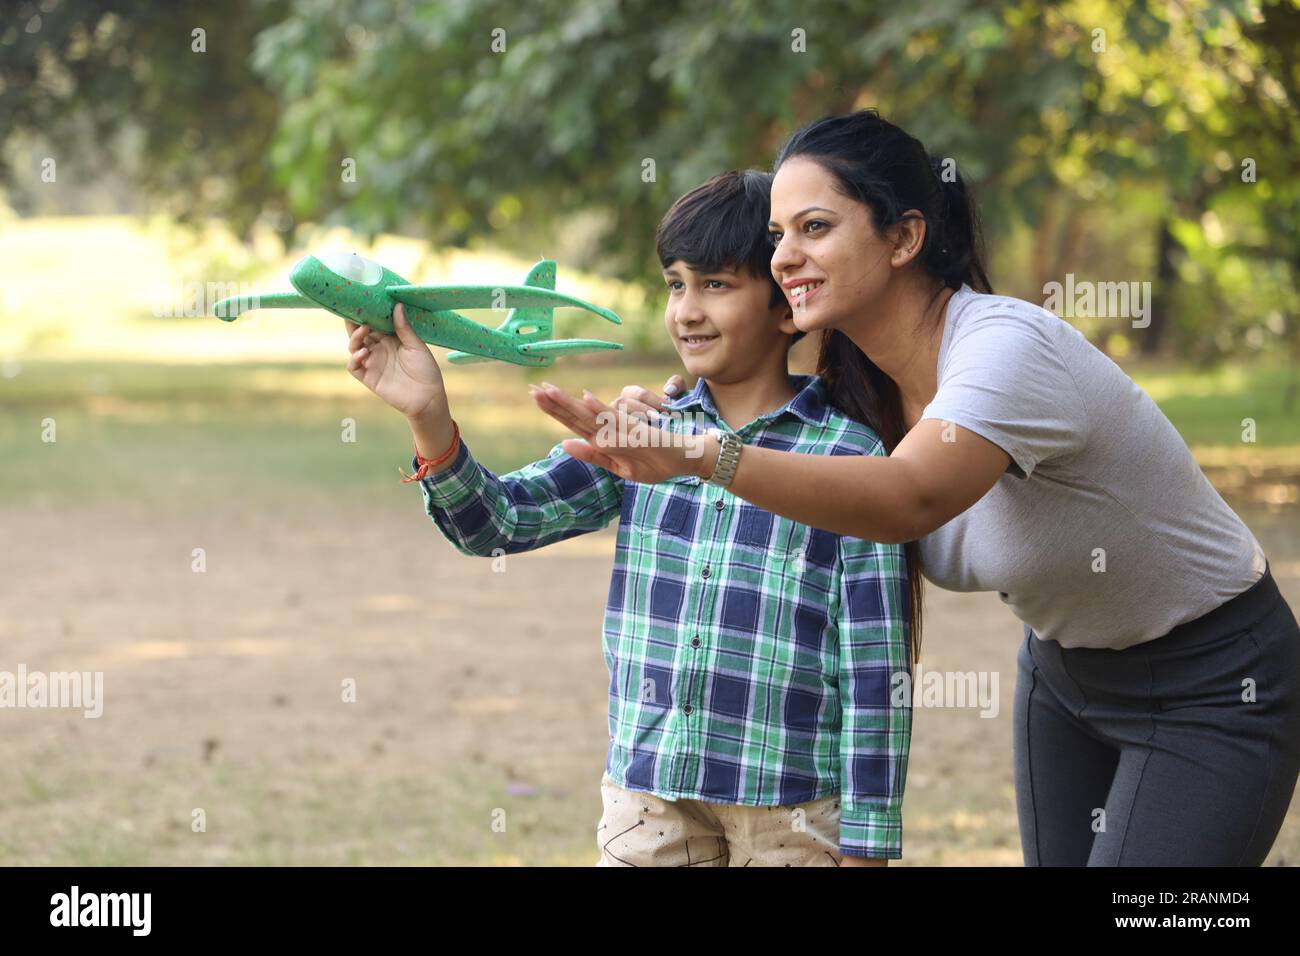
[(1045, 266), (1166, 277)]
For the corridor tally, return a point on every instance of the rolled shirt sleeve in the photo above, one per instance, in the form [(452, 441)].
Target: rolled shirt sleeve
[(544, 502)]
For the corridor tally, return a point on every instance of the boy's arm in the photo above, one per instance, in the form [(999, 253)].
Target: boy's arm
[(539, 504), (479, 512), (875, 734)]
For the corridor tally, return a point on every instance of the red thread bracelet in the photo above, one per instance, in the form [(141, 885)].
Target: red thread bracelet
[(426, 463)]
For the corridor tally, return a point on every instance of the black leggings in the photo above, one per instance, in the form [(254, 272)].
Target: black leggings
[(1181, 751)]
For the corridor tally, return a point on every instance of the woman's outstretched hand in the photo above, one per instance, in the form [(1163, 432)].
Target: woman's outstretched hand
[(619, 438)]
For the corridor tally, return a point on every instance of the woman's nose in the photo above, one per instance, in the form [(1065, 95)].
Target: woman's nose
[(784, 257)]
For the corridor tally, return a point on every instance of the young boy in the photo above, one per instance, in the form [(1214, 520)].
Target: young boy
[(751, 658)]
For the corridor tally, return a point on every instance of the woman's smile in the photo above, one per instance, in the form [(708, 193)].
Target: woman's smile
[(800, 294)]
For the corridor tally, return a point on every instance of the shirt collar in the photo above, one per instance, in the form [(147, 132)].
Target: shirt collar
[(809, 403)]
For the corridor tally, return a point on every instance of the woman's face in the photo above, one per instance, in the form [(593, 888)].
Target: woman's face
[(828, 257)]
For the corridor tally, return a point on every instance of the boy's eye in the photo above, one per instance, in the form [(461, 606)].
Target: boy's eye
[(675, 285)]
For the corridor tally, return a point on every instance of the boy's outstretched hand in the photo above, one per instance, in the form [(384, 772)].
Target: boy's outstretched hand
[(640, 400), (399, 369)]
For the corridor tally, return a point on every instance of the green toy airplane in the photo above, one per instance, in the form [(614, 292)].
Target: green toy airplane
[(365, 292)]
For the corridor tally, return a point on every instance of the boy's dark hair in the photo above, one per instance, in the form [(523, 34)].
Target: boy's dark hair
[(722, 224)]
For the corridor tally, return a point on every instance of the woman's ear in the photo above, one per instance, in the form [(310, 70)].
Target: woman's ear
[(908, 236)]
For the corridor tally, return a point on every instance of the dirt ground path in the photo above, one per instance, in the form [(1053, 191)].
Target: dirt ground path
[(478, 730)]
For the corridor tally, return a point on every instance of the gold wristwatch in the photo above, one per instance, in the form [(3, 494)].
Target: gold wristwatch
[(728, 457)]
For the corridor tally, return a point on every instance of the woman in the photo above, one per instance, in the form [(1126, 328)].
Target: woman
[(1157, 714)]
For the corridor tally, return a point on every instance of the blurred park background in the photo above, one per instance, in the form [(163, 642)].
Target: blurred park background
[(155, 155)]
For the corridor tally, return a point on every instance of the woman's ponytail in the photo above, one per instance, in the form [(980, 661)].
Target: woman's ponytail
[(953, 247)]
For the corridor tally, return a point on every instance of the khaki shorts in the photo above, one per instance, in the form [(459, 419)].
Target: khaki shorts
[(640, 829)]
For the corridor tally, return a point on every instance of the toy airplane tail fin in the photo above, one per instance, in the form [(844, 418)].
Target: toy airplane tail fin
[(529, 325), (526, 325)]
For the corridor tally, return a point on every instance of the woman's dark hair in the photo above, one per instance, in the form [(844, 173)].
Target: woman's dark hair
[(722, 224), (889, 171)]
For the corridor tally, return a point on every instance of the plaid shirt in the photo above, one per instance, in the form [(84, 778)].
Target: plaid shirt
[(750, 657)]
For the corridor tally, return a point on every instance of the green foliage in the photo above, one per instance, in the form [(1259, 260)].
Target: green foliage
[(77, 73), (1102, 137)]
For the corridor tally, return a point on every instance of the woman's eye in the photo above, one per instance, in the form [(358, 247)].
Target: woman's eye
[(774, 238), (808, 226)]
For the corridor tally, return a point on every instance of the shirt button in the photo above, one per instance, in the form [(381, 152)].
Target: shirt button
[(705, 572), (688, 710), (718, 504), (695, 641)]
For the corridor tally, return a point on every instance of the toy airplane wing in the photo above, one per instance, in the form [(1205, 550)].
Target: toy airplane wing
[(236, 305), (438, 298)]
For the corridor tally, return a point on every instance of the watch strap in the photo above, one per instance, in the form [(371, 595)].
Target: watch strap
[(728, 458)]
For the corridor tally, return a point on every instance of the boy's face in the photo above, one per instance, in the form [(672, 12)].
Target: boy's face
[(721, 323)]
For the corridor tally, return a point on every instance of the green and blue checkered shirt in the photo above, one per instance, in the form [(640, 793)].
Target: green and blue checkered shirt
[(751, 658)]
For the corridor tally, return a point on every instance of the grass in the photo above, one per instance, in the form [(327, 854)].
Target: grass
[(327, 816), (257, 431), (172, 433), (1209, 407)]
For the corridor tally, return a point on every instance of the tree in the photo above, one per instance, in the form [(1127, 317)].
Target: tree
[(1113, 131)]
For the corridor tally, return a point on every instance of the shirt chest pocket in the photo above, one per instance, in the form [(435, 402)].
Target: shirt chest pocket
[(669, 509), (759, 531)]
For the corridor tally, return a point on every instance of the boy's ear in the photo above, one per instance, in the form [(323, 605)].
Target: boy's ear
[(786, 323)]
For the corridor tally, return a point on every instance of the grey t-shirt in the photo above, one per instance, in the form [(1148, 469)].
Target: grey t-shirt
[(1099, 478)]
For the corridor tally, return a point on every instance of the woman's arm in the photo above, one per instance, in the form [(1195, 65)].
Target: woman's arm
[(935, 473), (923, 484)]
